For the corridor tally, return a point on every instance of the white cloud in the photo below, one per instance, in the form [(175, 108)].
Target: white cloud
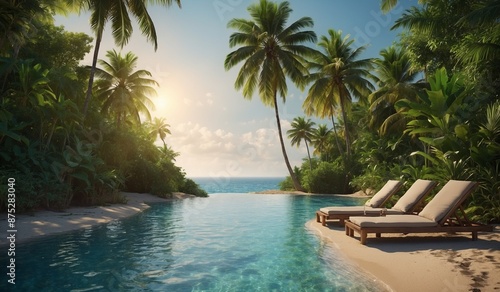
[(209, 152)]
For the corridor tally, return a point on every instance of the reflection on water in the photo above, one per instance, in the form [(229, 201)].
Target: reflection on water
[(228, 242)]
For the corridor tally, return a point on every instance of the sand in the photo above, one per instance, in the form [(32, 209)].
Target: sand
[(404, 263), (44, 223), (422, 262)]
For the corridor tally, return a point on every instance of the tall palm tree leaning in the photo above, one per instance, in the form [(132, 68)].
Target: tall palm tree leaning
[(338, 76), (117, 11), (123, 91), (302, 130), (271, 52)]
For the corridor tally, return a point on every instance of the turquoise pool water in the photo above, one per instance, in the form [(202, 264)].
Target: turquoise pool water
[(228, 242)]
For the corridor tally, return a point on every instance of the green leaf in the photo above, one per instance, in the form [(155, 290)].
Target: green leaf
[(461, 131), (81, 176)]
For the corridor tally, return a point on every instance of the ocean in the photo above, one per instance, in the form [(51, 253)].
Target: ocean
[(214, 185)]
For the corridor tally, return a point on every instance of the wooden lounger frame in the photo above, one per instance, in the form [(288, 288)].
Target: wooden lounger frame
[(455, 221), (322, 217)]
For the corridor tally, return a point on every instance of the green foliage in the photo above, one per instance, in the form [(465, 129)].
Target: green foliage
[(338, 77), (32, 189), (435, 119), (485, 154), (455, 34), (326, 178), (57, 158), (373, 178), (287, 184), (145, 167), (53, 47), (124, 93), (485, 149), (191, 187), (395, 80), (485, 204)]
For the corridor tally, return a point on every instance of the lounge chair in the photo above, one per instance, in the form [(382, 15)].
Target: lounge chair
[(377, 201), (444, 213)]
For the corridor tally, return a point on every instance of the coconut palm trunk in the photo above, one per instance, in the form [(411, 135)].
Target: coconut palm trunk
[(337, 141), (309, 156), (88, 95), (295, 180), (346, 127)]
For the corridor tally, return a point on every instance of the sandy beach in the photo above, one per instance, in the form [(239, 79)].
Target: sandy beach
[(404, 263), (44, 223), (423, 262)]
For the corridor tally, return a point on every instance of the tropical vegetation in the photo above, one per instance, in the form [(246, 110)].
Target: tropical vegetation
[(59, 148), (428, 107)]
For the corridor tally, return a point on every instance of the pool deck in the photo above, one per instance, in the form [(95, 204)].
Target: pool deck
[(422, 262)]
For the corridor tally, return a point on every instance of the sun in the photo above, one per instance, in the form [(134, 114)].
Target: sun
[(161, 102), (165, 104)]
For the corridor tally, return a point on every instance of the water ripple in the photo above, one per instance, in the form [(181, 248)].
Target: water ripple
[(228, 242)]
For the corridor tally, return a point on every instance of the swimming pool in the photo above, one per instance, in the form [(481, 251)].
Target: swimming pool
[(227, 242)]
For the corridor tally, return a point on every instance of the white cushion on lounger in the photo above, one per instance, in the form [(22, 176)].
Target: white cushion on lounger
[(413, 195), (451, 193), (393, 221), (356, 210), (381, 195)]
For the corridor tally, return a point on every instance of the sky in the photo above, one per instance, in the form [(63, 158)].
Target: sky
[(217, 132)]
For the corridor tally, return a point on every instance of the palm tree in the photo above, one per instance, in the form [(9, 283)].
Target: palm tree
[(387, 5), (395, 81), (159, 127), (339, 76), (302, 130), (321, 141), (19, 20), (16, 23), (486, 46), (271, 52), (123, 91), (118, 12)]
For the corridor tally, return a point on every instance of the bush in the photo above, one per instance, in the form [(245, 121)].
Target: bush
[(32, 191), (287, 184), (327, 178), (192, 188)]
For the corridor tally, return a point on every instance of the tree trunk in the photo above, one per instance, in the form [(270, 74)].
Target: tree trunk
[(347, 157), (92, 73), (337, 139), (346, 127), (296, 183), (308, 155)]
